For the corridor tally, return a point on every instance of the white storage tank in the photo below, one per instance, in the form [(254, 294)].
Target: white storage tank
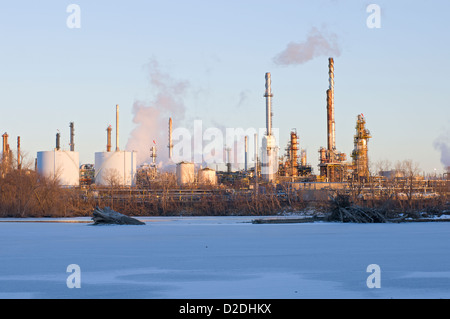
[(115, 168), (61, 165), (185, 173), (207, 176)]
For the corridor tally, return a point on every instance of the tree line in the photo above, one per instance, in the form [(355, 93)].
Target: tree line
[(24, 193)]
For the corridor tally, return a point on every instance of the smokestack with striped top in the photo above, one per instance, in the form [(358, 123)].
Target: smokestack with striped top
[(330, 108)]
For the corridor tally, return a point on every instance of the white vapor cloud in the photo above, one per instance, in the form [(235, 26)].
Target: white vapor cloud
[(318, 43)]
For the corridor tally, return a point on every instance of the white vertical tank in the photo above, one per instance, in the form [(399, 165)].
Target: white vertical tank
[(269, 158), (115, 168), (207, 176), (185, 173), (61, 165)]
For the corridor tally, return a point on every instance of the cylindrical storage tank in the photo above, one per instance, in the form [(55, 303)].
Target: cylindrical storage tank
[(207, 176), (61, 165), (185, 173), (115, 168)]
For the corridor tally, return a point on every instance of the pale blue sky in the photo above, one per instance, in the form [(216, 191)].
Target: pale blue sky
[(397, 75)]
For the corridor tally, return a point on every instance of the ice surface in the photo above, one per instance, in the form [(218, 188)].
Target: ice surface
[(223, 257)]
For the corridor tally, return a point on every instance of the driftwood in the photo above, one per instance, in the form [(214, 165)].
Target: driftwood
[(109, 216), (355, 214), (346, 212), (284, 220)]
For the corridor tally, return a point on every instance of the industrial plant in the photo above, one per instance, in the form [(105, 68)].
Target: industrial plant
[(272, 171)]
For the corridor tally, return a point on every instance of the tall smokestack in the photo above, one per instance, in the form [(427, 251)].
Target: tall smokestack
[(228, 159), (170, 139), (256, 162), (108, 138), (268, 95), (330, 107), (5, 145), (117, 127), (6, 151), (72, 133), (19, 156), (58, 141), (153, 154), (246, 152)]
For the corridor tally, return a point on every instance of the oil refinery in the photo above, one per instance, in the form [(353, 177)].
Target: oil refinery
[(119, 168)]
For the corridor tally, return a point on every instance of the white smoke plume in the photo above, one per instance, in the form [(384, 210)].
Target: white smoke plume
[(442, 144), (317, 44), (152, 117)]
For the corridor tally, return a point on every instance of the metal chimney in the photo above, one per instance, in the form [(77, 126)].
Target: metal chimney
[(117, 127), (58, 141), (268, 95), (330, 107), (5, 144), (170, 139), (228, 159), (6, 151), (72, 133), (108, 138), (246, 151), (153, 154), (256, 163), (19, 156)]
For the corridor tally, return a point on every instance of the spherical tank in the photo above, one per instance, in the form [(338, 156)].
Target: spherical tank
[(185, 173), (61, 165), (207, 176), (115, 168)]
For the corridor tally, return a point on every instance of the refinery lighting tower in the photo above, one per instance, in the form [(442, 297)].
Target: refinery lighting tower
[(269, 156)]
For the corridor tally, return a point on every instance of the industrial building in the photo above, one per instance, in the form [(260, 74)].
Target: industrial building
[(360, 152), (332, 165), (119, 168)]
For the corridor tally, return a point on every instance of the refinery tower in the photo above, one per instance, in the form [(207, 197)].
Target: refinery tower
[(269, 151)]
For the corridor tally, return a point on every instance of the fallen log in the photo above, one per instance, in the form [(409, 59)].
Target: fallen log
[(109, 216), (284, 220)]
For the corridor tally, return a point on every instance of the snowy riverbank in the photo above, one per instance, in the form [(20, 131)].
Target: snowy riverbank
[(223, 257)]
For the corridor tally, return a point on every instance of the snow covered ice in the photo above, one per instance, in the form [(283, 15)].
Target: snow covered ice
[(223, 257)]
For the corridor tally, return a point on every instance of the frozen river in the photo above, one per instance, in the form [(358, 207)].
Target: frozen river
[(223, 257)]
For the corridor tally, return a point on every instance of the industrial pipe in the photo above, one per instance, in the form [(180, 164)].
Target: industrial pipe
[(268, 95), (19, 156), (108, 138), (72, 133), (246, 151), (58, 141), (170, 139), (330, 108), (117, 127)]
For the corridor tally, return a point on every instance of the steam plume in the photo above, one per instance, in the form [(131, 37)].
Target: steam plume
[(317, 44), (152, 116), (442, 144)]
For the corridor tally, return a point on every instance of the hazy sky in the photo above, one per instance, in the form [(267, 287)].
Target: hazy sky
[(206, 60)]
